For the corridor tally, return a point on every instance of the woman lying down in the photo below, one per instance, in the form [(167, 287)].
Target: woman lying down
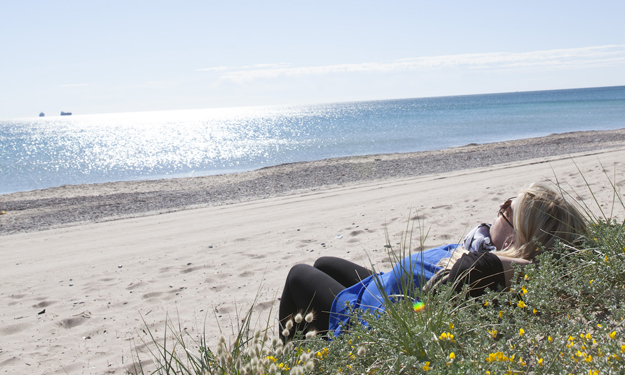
[(537, 216)]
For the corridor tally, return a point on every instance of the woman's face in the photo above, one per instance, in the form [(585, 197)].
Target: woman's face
[(501, 232)]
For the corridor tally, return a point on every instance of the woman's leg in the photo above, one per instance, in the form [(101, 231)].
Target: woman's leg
[(341, 270), (308, 289)]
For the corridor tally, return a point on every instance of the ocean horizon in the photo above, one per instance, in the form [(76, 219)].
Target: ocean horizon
[(45, 152)]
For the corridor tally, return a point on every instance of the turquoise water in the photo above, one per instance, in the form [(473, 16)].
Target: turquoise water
[(44, 152)]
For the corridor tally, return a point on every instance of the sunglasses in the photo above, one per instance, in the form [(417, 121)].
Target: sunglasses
[(502, 211)]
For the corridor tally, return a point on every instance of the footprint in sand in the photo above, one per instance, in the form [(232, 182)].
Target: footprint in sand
[(263, 306), (13, 328), (256, 256), (136, 285), (43, 304), (223, 309), (305, 243), (151, 295), (72, 322), (191, 269)]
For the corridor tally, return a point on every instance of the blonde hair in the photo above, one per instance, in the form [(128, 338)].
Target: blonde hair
[(541, 217)]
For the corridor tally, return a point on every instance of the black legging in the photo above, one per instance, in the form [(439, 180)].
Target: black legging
[(313, 289)]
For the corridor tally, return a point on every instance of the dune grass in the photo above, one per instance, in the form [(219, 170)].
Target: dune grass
[(564, 314)]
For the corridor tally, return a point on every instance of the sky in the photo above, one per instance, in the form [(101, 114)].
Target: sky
[(91, 57)]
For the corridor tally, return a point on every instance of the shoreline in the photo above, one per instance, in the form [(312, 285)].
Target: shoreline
[(71, 205)]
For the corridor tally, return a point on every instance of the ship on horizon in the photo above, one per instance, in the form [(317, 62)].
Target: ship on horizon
[(41, 114), (65, 113)]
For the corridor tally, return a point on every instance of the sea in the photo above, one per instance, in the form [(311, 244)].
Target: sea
[(43, 152)]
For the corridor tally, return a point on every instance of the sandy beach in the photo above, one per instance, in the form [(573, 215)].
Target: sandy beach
[(86, 268)]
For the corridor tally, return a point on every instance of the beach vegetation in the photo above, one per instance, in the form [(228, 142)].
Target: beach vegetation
[(563, 314)]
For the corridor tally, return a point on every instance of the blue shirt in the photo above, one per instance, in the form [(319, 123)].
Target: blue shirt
[(414, 270)]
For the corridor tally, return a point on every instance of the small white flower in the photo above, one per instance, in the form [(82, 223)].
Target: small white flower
[(311, 334), (288, 347), (298, 318), (362, 351), (274, 341), (286, 332), (309, 317), (289, 325), (309, 366)]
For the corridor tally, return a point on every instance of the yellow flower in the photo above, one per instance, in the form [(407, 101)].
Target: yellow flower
[(599, 325), (612, 334), (523, 290), (493, 333), (550, 339), (522, 362), (521, 332), (500, 314), (526, 277), (540, 361), (588, 359), (521, 304), (446, 336), (591, 281), (485, 303), (451, 326), (452, 355), (323, 353), (426, 367), (606, 258), (622, 348), (534, 311)]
